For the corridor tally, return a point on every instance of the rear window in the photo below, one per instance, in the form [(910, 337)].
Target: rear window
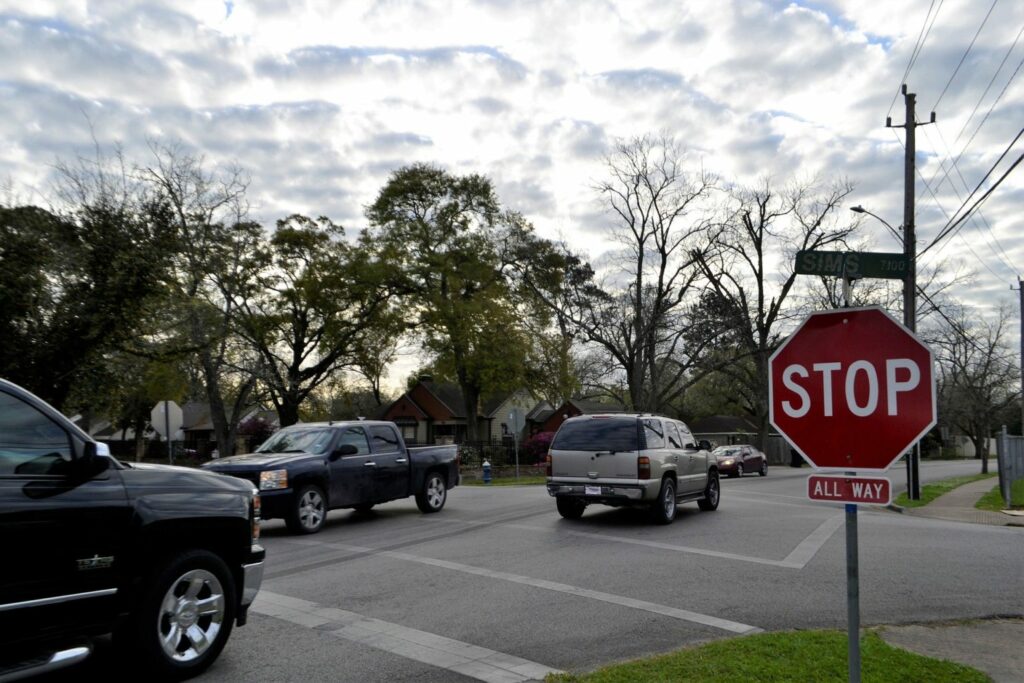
[(615, 434)]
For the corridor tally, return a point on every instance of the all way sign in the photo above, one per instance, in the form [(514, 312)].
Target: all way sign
[(859, 490)]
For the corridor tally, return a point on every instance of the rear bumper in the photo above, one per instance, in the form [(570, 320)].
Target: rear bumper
[(608, 494)]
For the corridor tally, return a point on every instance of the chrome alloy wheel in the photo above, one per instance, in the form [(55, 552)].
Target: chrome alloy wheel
[(435, 492), (191, 615), (669, 500), (713, 491), (311, 509)]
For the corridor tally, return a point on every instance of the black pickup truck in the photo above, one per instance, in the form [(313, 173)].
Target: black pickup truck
[(305, 470), (165, 558)]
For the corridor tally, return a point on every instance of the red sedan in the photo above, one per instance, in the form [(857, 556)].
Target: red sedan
[(735, 461)]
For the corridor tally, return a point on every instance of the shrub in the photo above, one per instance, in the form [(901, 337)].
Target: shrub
[(537, 446)]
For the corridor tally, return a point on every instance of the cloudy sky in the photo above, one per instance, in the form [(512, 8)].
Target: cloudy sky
[(319, 100)]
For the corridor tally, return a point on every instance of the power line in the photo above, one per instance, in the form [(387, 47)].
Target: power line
[(990, 171), (959, 221), (926, 28), (966, 52), (1003, 257), (989, 112), (981, 99), (1001, 253)]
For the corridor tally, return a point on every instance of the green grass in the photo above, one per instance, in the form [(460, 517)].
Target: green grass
[(782, 657), (930, 492), (507, 481), (993, 500)]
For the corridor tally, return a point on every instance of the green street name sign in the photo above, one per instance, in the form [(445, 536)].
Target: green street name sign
[(852, 264)]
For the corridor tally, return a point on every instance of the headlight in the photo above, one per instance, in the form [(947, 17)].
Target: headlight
[(725, 463), (273, 479)]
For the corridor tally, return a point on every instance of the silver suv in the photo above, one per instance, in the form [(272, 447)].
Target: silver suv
[(636, 460)]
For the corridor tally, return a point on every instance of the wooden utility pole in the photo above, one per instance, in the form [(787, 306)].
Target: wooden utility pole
[(910, 250)]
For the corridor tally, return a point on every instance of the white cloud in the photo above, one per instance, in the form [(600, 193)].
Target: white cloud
[(320, 100)]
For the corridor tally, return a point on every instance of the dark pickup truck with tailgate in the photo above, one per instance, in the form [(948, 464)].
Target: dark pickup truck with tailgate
[(305, 470), (165, 558)]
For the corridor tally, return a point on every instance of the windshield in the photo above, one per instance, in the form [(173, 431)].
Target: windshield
[(722, 452), (298, 440), (615, 434)]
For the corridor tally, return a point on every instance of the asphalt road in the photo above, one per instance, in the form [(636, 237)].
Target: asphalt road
[(498, 587)]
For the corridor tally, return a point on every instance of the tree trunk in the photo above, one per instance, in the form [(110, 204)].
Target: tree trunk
[(288, 411), (471, 394), (140, 441)]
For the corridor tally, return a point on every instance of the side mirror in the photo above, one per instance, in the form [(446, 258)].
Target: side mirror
[(343, 450), (704, 445)]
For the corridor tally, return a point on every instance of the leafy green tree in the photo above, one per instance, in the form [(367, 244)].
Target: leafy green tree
[(450, 249), (314, 301), (75, 285)]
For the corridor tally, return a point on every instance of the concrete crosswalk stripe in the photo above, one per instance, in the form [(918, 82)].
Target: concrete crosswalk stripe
[(469, 660), (655, 608)]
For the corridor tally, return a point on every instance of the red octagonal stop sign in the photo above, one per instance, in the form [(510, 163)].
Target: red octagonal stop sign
[(852, 389)]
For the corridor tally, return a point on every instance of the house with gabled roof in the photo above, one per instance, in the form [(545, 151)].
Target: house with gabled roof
[(577, 406), (434, 412)]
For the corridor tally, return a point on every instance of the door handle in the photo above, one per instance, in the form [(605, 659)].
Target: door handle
[(402, 461), (369, 463)]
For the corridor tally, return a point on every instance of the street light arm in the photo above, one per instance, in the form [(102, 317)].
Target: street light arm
[(894, 231)]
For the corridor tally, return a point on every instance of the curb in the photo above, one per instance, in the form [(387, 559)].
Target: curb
[(893, 507)]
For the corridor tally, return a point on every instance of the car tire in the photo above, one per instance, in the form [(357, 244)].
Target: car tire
[(308, 512), (570, 508), (664, 509), (433, 494), (712, 494), (184, 617), (764, 468)]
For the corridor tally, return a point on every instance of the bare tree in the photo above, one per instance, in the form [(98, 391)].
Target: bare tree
[(212, 265), (763, 231), (637, 316), (977, 373)]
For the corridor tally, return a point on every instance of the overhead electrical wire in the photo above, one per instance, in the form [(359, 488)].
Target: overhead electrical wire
[(945, 213), (993, 242), (950, 227), (966, 52), (981, 99), (926, 28)]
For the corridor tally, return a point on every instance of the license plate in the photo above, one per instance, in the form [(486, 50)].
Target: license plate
[(592, 490)]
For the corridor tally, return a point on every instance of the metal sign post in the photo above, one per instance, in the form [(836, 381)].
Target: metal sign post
[(166, 419), (167, 430), (852, 594)]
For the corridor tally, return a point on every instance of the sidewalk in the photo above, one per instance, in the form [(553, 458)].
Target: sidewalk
[(958, 506), (993, 646)]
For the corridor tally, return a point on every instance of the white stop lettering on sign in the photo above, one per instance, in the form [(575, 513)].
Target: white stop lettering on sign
[(863, 406)]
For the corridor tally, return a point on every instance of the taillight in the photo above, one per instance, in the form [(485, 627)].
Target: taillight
[(547, 465), (643, 467)]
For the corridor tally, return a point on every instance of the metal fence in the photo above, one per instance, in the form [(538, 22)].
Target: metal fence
[(1010, 451)]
